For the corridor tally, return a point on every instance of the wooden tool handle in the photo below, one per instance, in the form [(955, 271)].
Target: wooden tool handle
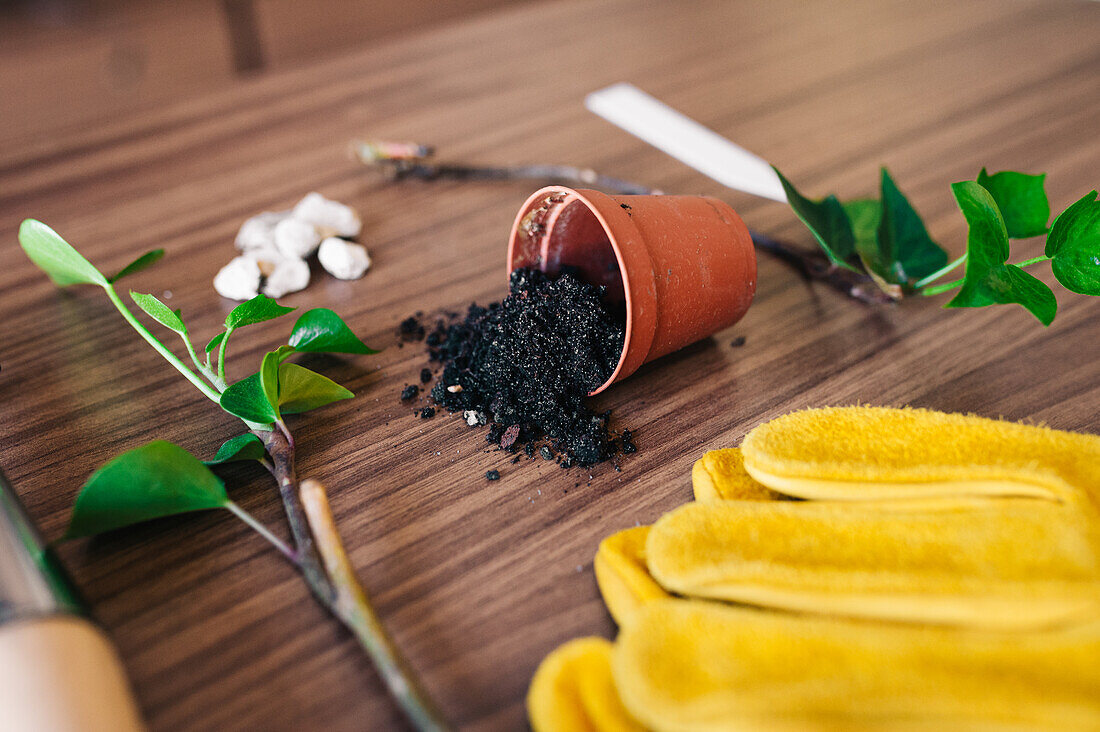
[(60, 674)]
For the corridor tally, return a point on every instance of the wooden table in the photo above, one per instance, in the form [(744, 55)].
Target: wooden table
[(478, 580)]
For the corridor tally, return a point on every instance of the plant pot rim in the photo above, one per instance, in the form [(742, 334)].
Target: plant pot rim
[(627, 243)]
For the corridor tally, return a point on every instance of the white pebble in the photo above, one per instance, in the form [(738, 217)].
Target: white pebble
[(296, 238), (259, 231), (290, 275), (471, 417), (238, 280), (343, 259), (330, 217), (266, 258)]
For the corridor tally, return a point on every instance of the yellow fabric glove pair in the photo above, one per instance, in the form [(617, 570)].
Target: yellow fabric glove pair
[(980, 536)]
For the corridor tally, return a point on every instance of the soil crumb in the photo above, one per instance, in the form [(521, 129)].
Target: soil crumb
[(525, 366)]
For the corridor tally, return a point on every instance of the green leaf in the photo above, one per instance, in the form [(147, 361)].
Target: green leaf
[(56, 257), (215, 341), (1021, 199), (322, 331), (301, 389), (160, 312), (145, 260), (903, 238), (256, 310), (1074, 246), (865, 215), (1010, 284), (987, 238), (242, 447), (297, 389), (246, 399), (269, 379), (826, 220), (155, 480), (282, 353), (989, 280)]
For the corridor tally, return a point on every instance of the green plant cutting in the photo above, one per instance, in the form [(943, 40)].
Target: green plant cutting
[(162, 479), (886, 239)]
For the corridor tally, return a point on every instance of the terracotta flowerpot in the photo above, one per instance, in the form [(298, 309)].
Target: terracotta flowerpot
[(684, 265)]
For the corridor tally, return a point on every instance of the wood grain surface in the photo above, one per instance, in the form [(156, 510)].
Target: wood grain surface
[(479, 580)]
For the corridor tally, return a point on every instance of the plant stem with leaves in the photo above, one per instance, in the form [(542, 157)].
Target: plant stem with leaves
[(886, 239), (161, 479)]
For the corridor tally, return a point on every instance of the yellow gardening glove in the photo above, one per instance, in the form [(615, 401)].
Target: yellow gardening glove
[(985, 560), (923, 519), (622, 575), (1007, 563), (685, 665), (875, 453), (620, 564), (572, 691), (720, 475)]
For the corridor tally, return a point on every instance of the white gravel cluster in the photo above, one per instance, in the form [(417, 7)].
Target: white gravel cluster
[(275, 245)]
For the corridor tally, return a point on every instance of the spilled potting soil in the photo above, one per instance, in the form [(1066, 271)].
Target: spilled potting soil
[(525, 366)]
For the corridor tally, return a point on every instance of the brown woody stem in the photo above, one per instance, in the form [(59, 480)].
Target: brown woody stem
[(282, 469), (354, 609), (320, 555), (815, 266), (412, 161)]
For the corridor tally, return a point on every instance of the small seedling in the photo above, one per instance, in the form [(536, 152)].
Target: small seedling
[(162, 479), (886, 239)]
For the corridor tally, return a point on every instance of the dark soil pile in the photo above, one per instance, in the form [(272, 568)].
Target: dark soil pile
[(526, 364)]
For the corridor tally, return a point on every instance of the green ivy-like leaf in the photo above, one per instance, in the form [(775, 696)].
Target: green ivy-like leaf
[(215, 341), (242, 447), (989, 280), (297, 389), (246, 399), (160, 312), (54, 256), (865, 215), (269, 379), (282, 353), (1021, 199), (1074, 246), (256, 310), (826, 220), (145, 260), (301, 389), (155, 480), (322, 331), (903, 238)]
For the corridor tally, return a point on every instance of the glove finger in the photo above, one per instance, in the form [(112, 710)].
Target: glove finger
[(622, 575), (693, 665), (720, 475), (874, 453), (573, 691), (1013, 563)]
